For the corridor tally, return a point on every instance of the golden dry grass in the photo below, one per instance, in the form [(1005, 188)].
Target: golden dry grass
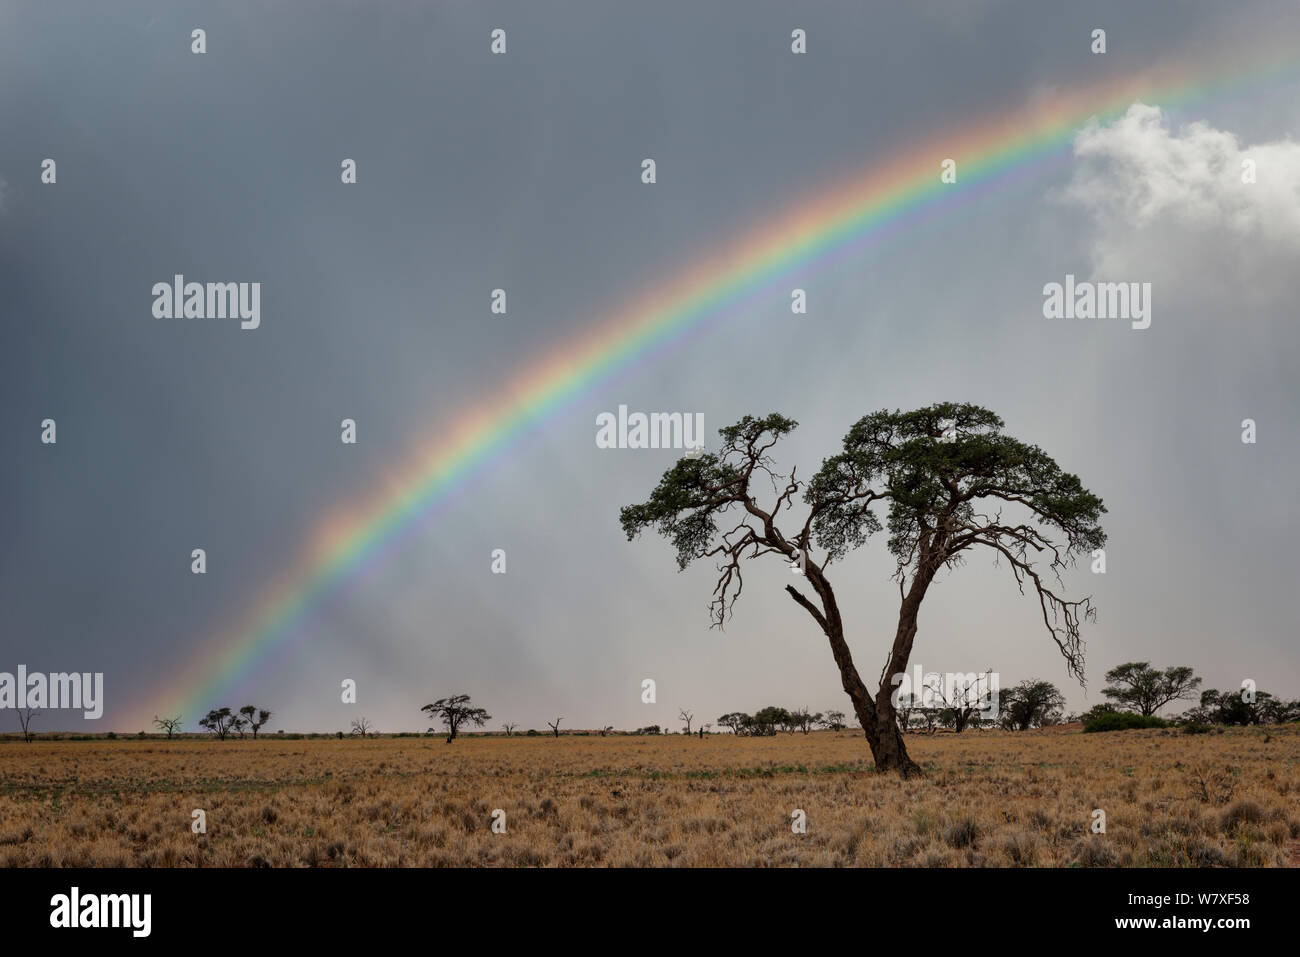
[(989, 798)]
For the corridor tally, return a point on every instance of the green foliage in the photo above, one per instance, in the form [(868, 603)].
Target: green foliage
[(1124, 721), (1098, 711), (919, 461), (1220, 708), (1030, 704), (1138, 686), (943, 473), (684, 505)]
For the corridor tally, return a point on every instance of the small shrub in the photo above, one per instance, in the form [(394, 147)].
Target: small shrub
[(961, 833), (1092, 852), (924, 822), (1098, 711), (1022, 848), (1210, 786), (1240, 812)]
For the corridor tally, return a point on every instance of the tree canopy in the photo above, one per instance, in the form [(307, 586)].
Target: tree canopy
[(1146, 690)]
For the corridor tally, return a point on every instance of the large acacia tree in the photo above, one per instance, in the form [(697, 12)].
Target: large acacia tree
[(943, 477), (455, 712), (1146, 690)]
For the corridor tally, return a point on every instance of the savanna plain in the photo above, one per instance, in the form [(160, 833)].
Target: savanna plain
[(988, 798)]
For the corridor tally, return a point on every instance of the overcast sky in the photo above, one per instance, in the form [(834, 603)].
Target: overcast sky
[(522, 171)]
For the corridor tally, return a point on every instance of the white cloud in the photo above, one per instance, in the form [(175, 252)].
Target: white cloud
[(1170, 204)]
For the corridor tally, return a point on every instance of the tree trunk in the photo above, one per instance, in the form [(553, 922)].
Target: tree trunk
[(891, 753), (879, 723), (890, 739)]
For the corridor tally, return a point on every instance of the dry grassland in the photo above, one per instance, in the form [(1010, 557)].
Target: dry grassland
[(989, 798)]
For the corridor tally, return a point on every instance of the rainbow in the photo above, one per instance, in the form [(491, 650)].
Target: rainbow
[(812, 233)]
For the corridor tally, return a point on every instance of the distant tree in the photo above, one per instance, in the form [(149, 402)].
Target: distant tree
[(833, 720), (606, 730), (735, 720), (1030, 704), (555, 725), (963, 701), (221, 722), (1220, 708), (1141, 688), (686, 716), (1005, 720), (951, 717), (1276, 711), (766, 721), (509, 729), (1099, 710), (25, 716), (455, 712), (652, 729), (803, 719), (944, 474), (361, 727), (907, 704), (169, 726), (1207, 710), (255, 718), (929, 715)]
